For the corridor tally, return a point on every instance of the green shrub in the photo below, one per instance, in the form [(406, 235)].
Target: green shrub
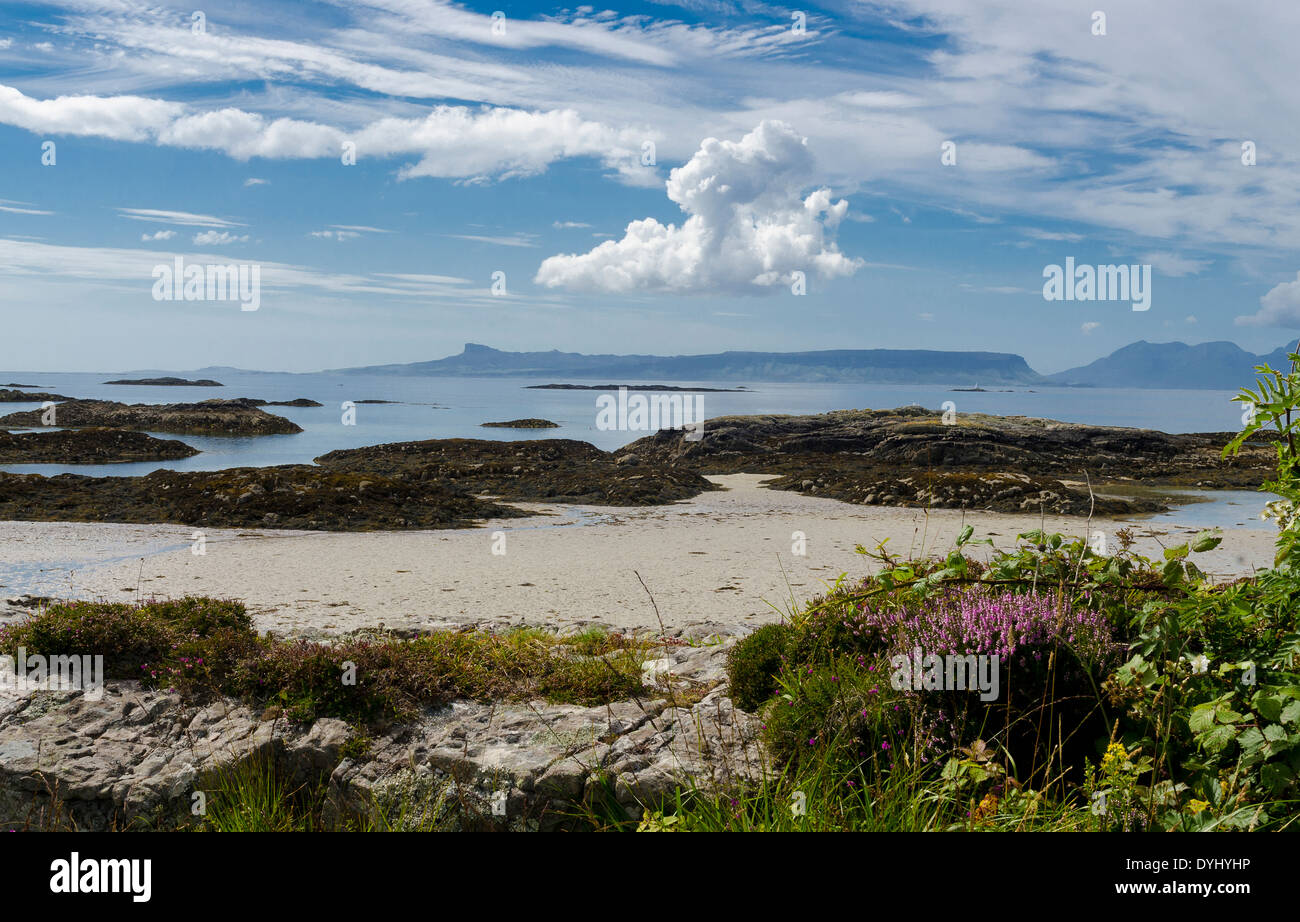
[(131, 639), (754, 663), (843, 715)]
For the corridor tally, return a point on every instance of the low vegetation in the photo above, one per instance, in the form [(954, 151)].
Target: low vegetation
[(203, 647), (1134, 694)]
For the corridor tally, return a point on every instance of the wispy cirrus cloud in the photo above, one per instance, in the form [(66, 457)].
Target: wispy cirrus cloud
[(182, 218)]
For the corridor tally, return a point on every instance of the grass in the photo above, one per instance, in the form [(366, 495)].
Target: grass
[(204, 647)]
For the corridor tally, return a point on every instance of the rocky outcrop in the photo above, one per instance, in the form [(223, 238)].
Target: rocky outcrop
[(8, 395), (210, 417), (910, 457), (295, 496), (88, 446), (136, 758), (258, 402), (535, 470), (169, 382), (530, 423)]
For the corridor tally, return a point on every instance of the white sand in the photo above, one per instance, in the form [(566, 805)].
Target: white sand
[(721, 560)]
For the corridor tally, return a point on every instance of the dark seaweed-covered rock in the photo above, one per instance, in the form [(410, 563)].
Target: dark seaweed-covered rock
[(296, 496), (12, 396), (169, 382), (296, 402), (910, 457), (88, 446), (538, 470), (210, 417), (530, 423), (257, 402)]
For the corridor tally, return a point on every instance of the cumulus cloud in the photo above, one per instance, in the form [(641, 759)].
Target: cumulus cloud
[(218, 238), (1089, 326), (748, 229), (159, 235), (1280, 307), (119, 118)]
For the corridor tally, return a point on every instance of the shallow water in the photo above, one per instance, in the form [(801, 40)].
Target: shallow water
[(456, 407), (430, 408)]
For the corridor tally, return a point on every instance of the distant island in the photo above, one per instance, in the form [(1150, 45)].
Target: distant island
[(1217, 365), (169, 382), (633, 387), (530, 423), (877, 366), (1213, 366)]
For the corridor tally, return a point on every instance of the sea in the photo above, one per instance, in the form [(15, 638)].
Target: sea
[(449, 407)]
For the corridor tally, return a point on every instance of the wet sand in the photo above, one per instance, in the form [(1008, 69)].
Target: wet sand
[(721, 561)]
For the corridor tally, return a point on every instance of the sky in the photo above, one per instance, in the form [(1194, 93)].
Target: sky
[(665, 177)]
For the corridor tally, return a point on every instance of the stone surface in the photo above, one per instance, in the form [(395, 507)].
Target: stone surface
[(135, 757)]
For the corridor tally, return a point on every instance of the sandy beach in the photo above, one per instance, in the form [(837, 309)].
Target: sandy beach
[(719, 562)]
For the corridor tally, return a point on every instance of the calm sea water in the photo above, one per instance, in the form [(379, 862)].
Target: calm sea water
[(429, 408)]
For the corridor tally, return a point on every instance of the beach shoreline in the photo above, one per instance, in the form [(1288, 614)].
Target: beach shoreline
[(722, 562)]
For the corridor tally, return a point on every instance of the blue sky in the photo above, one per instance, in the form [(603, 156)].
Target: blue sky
[(521, 150)]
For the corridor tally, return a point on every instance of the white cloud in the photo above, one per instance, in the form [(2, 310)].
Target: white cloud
[(218, 238), (565, 225), (1176, 266), (254, 181), (1279, 307), (451, 142), (20, 208), (36, 263), (1089, 326), (182, 218), (1190, 318), (341, 232), (119, 118), (515, 240), (748, 230), (1039, 234), (159, 235)]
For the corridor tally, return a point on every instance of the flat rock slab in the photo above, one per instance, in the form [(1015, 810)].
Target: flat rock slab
[(134, 757)]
